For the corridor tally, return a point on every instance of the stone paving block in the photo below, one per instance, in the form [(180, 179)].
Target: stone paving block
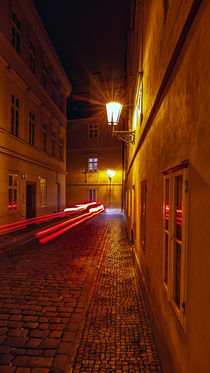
[(50, 343), (59, 363), (21, 361), (39, 333), (33, 343), (7, 369), (65, 348), (40, 362), (16, 341), (5, 359)]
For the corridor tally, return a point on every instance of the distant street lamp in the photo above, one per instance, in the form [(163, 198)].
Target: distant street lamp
[(110, 175), (113, 113)]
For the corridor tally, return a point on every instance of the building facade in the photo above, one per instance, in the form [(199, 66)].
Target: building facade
[(91, 149), (33, 92), (168, 173)]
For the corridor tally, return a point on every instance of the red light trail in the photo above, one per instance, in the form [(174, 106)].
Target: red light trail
[(59, 229)]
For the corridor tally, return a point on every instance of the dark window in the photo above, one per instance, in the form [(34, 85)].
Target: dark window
[(15, 32), (31, 128), (92, 131), (32, 62), (44, 137), (53, 144), (14, 116), (143, 212)]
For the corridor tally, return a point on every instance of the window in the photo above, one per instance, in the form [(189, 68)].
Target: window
[(12, 192), (92, 131), (54, 89), (15, 106), (43, 192), (143, 213), (166, 229), (174, 238), (32, 61), (44, 75), (53, 144), (61, 102), (15, 32), (31, 128), (61, 149), (91, 194), (44, 137), (92, 164), (128, 195)]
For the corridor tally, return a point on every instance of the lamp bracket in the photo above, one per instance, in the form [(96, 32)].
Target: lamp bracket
[(126, 136)]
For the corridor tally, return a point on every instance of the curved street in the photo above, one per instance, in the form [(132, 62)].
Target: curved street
[(75, 304)]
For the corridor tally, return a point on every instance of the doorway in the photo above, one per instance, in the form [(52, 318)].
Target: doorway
[(30, 200)]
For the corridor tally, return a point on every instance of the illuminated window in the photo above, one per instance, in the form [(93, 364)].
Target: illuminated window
[(174, 238), (92, 131), (143, 213), (31, 128), (32, 56), (15, 32), (44, 137), (92, 164), (43, 192), (91, 194), (15, 107), (12, 192)]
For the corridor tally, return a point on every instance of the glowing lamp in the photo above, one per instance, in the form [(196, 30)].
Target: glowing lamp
[(110, 173), (113, 112)]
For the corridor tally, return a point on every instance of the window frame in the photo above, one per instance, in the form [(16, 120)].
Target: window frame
[(15, 116), (92, 164), (43, 191), (44, 137), (31, 128), (53, 144), (14, 191), (180, 310), (16, 31), (91, 194), (143, 205), (32, 57), (92, 131)]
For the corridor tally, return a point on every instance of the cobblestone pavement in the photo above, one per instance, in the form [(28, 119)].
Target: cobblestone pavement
[(75, 305), (118, 335)]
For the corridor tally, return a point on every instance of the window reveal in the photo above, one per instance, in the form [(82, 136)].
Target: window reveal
[(15, 107), (12, 192)]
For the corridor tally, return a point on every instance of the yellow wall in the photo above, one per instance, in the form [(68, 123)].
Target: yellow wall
[(17, 156), (109, 153), (179, 129)]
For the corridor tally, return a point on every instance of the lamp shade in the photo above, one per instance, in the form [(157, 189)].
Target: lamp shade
[(113, 112)]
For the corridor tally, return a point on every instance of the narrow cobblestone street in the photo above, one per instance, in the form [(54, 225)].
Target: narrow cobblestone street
[(75, 305)]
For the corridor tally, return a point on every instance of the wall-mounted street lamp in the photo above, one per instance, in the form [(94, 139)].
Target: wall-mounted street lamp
[(110, 175), (113, 113)]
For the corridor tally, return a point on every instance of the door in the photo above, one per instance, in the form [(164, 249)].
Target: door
[(30, 200)]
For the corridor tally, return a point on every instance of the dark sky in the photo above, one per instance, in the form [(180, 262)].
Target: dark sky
[(88, 35)]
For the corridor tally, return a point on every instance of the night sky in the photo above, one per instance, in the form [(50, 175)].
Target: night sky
[(88, 35)]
